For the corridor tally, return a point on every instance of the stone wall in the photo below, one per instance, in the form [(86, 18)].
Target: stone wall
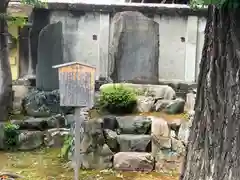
[(86, 36)]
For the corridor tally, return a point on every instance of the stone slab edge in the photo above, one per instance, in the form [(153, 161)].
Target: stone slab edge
[(168, 9)]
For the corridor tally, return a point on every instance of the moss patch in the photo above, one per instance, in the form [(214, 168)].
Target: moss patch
[(45, 164)]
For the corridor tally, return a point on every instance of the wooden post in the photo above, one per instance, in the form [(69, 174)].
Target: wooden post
[(77, 142)]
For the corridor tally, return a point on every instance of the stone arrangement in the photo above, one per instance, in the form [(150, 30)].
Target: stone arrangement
[(133, 143), (136, 142)]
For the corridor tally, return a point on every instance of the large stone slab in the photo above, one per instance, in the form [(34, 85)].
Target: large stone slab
[(134, 48), (134, 124), (29, 140), (50, 53), (156, 91), (133, 161), (134, 143), (44, 104), (40, 124)]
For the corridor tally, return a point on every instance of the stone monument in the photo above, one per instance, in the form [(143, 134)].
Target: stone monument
[(134, 48)]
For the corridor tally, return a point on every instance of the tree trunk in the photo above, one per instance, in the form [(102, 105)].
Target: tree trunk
[(5, 71), (213, 152)]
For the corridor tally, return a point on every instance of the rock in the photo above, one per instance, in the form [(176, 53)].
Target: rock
[(29, 140), (184, 131), (161, 104), (172, 134), (40, 124), (178, 146), (11, 176), (55, 137), (95, 153), (44, 104), (20, 92), (133, 161), (175, 107), (159, 127), (49, 53), (160, 135), (134, 48), (100, 159), (190, 101), (101, 81), (175, 124), (145, 104), (160, 143), (156, 91), (56, 121), (167, 161), (110, 122), (111, 140), (134, 143), (69, 120), (134, 124)]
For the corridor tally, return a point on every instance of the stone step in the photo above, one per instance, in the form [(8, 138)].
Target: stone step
[(134, 143), (133, 161)]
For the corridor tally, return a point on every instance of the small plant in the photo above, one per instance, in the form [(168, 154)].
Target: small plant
[(11, 135), (118, 99), (68, 140)]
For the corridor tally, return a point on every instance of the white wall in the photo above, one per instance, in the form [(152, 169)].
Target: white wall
[(181, 39)]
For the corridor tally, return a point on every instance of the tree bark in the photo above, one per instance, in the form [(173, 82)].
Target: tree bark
[(5, 70), (213, 152)]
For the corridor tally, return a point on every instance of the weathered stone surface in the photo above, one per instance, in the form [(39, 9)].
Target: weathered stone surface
[(133, 161), (190, 101), (178, 146), (156, 91), (44, 104), (175, 107), (100, 159), (159, 127), (167, 161), (160, 135), (134, 143), (175, 124), (55, 137), (96, 154), (56, 121), (173, 134), (145, 104), (134, 124), (69, 119), (29, 140), (184, 131), (110, 122), (111, 140), (20, 92), (161, 104), (50, 53), (134, 48)]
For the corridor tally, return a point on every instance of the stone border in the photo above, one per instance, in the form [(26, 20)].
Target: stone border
[(168, 9)]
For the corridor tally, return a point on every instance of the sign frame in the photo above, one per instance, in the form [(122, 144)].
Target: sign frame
[(83, 73)]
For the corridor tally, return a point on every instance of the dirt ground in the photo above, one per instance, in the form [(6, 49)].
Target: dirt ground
[(45, 164)]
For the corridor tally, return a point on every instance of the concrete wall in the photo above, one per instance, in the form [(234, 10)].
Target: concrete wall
[(86, 32), (14, 52)]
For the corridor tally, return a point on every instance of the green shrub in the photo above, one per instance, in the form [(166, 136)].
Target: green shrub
[(11, 136), (68, 140), (117, 99)]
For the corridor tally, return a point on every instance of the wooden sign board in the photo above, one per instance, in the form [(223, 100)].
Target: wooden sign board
[(76, 84)]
